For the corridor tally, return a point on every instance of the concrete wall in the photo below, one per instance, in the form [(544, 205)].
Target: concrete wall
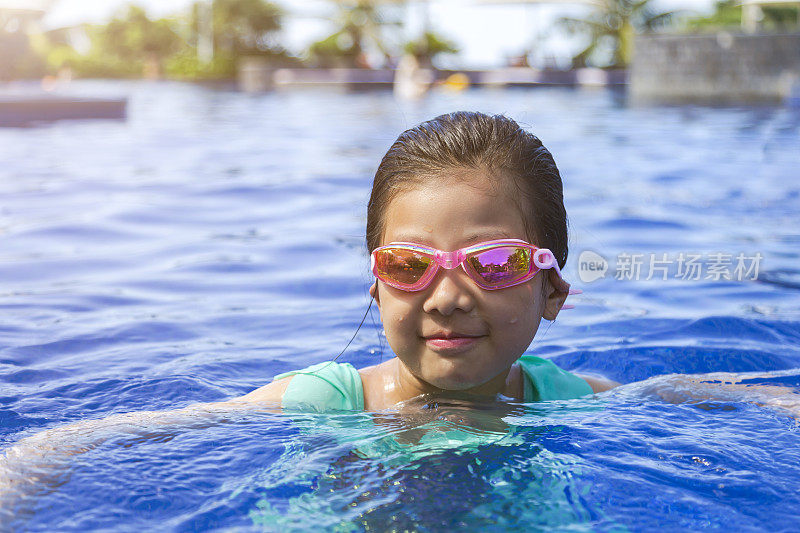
[(723, 67), (256, 75)]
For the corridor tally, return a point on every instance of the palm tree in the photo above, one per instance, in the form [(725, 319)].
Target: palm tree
[(613, 24), (245, 26), (428, 46), (133, 37), (361, 25)]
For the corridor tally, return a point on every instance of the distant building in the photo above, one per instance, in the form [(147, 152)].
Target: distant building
[(24, 15)]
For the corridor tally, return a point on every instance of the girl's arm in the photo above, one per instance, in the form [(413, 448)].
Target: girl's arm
[(269, 393), (88, 434), (40, 457), (723, 386), (599, 383)]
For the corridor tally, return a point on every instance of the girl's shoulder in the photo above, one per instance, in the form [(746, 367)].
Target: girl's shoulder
[(324, 387), (546, 381), (332, 386)]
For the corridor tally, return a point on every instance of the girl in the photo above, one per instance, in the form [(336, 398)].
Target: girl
[(467, 232)]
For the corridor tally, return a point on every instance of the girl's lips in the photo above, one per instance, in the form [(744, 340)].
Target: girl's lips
[(451, 344)]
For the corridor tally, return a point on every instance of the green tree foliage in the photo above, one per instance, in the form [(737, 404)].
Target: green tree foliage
[(244, 27), (133, 43), (134, 36), (54, 47), (728, 15), (129, 45), (187, 66), (336, 50), (428, 46), (359, 27), (18, 58), (611, 27), (239, 28)]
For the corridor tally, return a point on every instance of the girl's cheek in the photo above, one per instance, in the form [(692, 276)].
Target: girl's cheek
[(524, 309)]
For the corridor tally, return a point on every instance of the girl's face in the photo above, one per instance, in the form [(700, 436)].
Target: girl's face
[(485, 331)]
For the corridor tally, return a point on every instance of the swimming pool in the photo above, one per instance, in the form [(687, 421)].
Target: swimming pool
[(175, 258)]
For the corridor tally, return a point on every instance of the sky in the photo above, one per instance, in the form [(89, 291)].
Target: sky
[(485, 32)]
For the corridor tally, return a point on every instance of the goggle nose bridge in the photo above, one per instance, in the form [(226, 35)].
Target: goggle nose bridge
[(449, 260)]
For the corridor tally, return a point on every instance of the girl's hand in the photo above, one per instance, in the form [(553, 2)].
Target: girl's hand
[(42, 461), (25, 468), (724, 386)]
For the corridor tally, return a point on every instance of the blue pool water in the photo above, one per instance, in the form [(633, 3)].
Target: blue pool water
[(215, 239)]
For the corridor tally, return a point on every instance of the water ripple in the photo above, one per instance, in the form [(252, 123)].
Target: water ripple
[(215, 239)]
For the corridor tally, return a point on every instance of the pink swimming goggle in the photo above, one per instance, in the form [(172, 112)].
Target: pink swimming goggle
[(491, 265)]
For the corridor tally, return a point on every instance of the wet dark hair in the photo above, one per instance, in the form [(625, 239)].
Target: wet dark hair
[(472, 140)]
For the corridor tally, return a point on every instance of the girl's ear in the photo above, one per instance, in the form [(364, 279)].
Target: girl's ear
[(556, 294), (373, 291)]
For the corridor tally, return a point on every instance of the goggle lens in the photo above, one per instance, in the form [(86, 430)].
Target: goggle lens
[(500, 267), (403, 267)]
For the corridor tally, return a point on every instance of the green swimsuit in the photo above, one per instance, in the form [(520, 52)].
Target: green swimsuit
[(331, 386)]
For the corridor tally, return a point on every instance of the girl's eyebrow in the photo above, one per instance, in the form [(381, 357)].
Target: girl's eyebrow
[(489, 235), (469, 239)]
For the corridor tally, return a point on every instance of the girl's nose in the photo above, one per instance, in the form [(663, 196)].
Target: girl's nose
[(449, 291)]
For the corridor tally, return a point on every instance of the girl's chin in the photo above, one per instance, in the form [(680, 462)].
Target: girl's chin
[(471, 379), (461, 374), (450, 380), (452, 385)]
